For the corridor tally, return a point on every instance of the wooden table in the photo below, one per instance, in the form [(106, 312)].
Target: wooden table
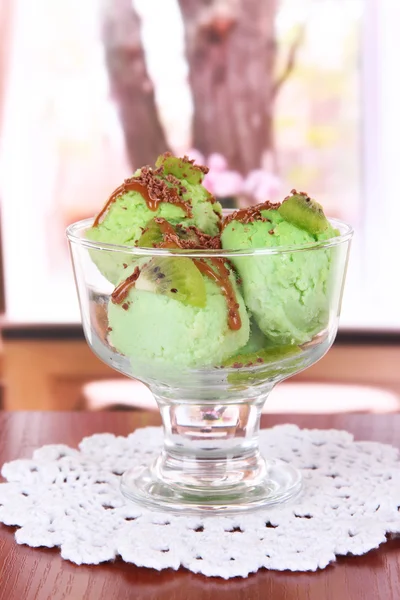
[(40, 574)]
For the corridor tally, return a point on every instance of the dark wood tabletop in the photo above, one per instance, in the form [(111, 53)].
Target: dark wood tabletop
[(40, 574)]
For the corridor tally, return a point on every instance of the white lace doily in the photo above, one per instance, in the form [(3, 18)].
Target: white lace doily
[(71, 499)]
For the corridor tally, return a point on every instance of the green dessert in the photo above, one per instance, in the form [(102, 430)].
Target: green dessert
[(257, 340), (246, 315), (172, 191), (192, 308), (170, 311), (286, 293)]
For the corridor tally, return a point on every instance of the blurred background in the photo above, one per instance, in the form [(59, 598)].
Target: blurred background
[(270, 94)]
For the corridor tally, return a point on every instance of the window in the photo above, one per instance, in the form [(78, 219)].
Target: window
[(323, 108)]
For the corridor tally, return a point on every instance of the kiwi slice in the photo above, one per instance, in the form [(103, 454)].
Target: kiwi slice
[(264, 356), (175, 277), (300, 210), (151, 236), (182, 168), (268, 361)]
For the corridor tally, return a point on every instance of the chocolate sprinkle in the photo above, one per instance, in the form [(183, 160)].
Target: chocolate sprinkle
[(187, 161), (159, 191), (153, 191), (251, 214), (176, 183), (296, 193), (187, 238)]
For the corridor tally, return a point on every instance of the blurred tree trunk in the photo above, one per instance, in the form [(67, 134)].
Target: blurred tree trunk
[(130, 83), (231, 50)]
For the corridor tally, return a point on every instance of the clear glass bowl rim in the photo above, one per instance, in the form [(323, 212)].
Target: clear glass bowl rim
[(74, 235)]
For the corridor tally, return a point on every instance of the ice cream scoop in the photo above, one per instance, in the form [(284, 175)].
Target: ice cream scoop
[(172, 191), (175, 312), (286, 293)]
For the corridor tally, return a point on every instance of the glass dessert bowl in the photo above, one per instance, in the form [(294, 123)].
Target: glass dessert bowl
[(211, 331)]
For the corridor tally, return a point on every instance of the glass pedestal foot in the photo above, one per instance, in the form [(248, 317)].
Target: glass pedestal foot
[(238, 490)]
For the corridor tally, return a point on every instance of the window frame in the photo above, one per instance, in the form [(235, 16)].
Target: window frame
[(372, 295)]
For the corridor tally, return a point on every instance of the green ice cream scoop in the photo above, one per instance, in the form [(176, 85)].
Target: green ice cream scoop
[(154, 328), (148, 194), (287, 293)]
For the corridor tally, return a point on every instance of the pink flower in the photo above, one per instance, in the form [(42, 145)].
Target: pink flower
[(216, 162), (262, 185), (224, 184), (220, 181)]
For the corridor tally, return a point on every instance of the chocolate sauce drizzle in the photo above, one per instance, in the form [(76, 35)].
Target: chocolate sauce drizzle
[(219, 274), (153, 191), (251, 214), (221, 277), (121, 292), (186, 238), (167, 230)]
